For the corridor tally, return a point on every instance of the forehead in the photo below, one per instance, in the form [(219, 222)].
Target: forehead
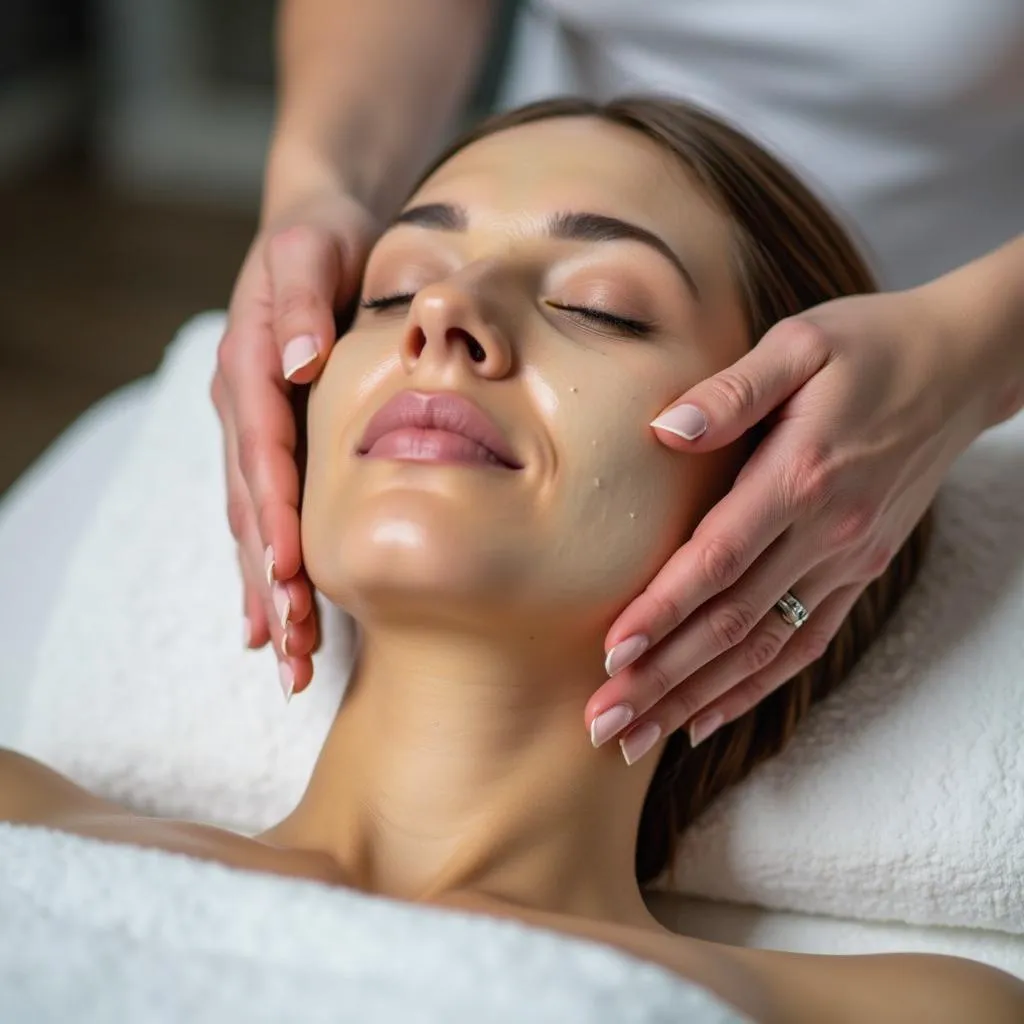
[(581, 163)]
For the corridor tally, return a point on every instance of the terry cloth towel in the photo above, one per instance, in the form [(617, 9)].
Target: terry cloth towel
[(98, 933), (901, 797)]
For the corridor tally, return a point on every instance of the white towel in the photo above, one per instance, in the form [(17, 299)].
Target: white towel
[(901, 798), (98, 933)]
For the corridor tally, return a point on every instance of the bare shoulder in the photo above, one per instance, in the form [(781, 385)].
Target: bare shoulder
[(31, 793), (889, 988)]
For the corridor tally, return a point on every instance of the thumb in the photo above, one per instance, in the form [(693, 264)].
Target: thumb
[(304, 267), (722, 408)]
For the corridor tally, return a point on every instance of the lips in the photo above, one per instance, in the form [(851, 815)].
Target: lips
[(436, 427)]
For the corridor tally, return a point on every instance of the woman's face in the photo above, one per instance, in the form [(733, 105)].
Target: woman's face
[(569, 280)]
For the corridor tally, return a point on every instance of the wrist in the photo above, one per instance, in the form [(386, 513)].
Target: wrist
[(360, 164), (297, 175), (977, 313)]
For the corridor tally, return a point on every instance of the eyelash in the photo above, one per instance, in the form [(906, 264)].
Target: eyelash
[(627, 325)]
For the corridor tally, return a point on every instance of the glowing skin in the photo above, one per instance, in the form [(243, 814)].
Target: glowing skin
[(459, 758)]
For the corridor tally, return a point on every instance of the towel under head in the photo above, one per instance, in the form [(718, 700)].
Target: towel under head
[(900, 798)]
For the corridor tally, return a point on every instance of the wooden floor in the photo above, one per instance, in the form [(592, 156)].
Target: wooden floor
[(92, 287)]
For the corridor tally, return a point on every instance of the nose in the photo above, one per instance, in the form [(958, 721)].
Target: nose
[(451, 323)]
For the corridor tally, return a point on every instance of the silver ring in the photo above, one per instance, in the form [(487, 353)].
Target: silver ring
[(791, 609)]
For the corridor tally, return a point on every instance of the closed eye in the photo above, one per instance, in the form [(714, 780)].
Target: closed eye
[(387, 301), (589, 316), (625, 324)]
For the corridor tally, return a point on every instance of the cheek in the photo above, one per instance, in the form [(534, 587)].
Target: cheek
[(329, 432), (625, 501)]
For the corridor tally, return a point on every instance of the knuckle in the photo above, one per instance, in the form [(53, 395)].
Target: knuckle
[(226, 356), (684, 705), (808, 339), (854, 523), (667, 609), (660, 683), (812, 479), (729, 624), (217, 393), (762, 650), (236, 516), (722, 561), (735, 390), (248, 445), (266, 520), (755, 689), (878, 558), (814, 645), (295, 238), (296, 302)]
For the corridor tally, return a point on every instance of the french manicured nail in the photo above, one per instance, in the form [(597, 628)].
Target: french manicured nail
[(639, 741), (702, 728), (684, 420), (609, 722), (625, 653), (268, 565), (299, 352), (282, 603), (246, 633), (284, 671)]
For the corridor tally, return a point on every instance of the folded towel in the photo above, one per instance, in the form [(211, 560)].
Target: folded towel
[(95, 933), (901, 798)]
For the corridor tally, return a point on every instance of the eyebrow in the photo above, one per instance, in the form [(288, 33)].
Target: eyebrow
[(573, 227)]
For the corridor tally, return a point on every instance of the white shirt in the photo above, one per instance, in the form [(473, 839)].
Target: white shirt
[(906, 116)]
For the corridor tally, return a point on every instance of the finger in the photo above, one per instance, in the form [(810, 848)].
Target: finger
[(294, 675), (256, 627), (724, 623), (802, 649), (265, 425), (798, 652), (304, 264), (297, 639), (730, 538), (733, 620), (721, 408), (292, 600), (242, 522), (749, 659), (293, 646)]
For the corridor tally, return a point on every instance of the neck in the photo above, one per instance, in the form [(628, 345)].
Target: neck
[(459, 764)]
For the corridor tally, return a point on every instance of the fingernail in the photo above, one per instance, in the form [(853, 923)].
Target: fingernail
[(702, 728), (284, 644), (299, 352), (247, 633), (282, 603), (284, 671), (639, 741), (609, 722), (268, 565), (625, 653), (683, 420)]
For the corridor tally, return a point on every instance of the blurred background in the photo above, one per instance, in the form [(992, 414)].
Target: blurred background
[(132, 138)]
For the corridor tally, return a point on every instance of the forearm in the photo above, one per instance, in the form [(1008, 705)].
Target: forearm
[(365, 91), (982, 306)]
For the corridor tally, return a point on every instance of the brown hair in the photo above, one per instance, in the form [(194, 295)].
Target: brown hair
[(790, 254)]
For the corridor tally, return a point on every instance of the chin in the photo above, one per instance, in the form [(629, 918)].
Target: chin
[(423, 562)]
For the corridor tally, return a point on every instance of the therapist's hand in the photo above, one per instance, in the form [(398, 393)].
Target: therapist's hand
[(873, 400), (304, 263)]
